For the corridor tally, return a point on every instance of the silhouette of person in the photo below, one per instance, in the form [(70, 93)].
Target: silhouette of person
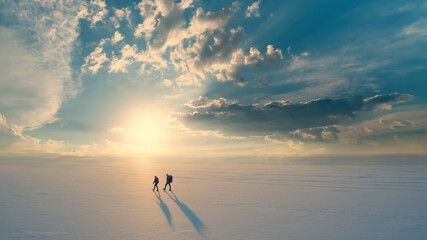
[(169, 179), (155, 182)]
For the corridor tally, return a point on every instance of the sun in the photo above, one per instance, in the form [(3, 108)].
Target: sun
[(146, 131)]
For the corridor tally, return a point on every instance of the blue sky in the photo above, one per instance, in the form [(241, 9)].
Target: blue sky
[(213, 78)]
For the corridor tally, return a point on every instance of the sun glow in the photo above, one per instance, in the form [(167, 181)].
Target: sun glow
[(147, 132)]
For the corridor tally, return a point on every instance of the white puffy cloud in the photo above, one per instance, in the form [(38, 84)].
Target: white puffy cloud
[(253, 10), (254, 57), (195, 47), (202, 21), (149, 13), (117, 37), (230, 71), (273, 55), (162, 23), (184, 4), (93, 11), (96, 59), (120, 15), (128, 53)]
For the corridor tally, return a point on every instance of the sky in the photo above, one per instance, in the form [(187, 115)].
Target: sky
[(213, 79)]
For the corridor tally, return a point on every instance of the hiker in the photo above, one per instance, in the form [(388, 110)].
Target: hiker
[(169, 179), (156, 181)]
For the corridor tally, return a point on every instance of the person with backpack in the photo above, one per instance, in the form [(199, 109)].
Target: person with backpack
[(169, 179), (156, 181)]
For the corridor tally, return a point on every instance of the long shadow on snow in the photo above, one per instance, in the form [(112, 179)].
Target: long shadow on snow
[(197, 223), (164, 208)]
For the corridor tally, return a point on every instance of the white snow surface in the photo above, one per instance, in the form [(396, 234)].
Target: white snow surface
[(113, 199)]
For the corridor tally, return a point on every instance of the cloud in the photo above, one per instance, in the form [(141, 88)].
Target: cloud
[(402, 124), (117, 37), (197, 46), (120, 15), (221, 50), (205, 102), (167, 82), (294, 145), (386, 101), (331, 75), (407, 123), (253, 10), (117, 130), (230, 71), (395, 124), (354, 67), (369, 130), (117, 64), (319, 134), (35, 63), (7, 133), (418, 28), (305, 134), (207, 21), (281, 117), (95, 59), (273, 55), (163, 21), (93, 11), (330, 134), (36, 43)]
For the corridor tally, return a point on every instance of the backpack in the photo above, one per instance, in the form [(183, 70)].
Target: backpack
[(170, 178)]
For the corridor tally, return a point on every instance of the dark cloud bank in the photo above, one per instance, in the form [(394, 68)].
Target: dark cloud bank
[(280, 117)]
